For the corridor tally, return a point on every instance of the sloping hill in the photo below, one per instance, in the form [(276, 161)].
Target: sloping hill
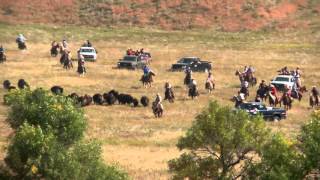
[(227, 15)]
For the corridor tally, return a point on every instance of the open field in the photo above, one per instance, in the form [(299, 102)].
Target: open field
[(132, 137)]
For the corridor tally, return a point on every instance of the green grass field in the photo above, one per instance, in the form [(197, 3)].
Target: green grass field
[(132, 137)]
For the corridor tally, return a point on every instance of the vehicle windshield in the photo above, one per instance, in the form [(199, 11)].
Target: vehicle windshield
[(130, 58), (88, 50), (187, 60), (286, 79)]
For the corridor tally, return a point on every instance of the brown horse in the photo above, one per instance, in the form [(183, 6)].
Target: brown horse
[(147, 80), (157, 109), (209, 86), (287, 101), (313, 100), (169, 95)]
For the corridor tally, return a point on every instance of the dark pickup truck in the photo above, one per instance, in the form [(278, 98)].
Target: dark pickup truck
[(132, 62), (255, 108), (195, 64)]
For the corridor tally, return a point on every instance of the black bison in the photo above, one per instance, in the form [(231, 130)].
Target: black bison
[(144, 101), (22, 84), (74, 97), (98, 99), (135, 102), (6, 84), (125, 99), (57, 90), (114, 93), (109, 98), (85, 100)]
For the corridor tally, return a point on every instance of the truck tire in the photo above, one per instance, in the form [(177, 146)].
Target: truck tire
[(276, 118)]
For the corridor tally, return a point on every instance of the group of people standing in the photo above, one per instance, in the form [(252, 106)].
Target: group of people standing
[(131, 52)]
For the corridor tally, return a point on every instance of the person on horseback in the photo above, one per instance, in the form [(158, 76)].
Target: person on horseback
[(2, 54), (297, 75), (64, 44), (287, 91), (21, 41), (2, 50), (273, 92), (158, 100), (295, 90), (188, 77), (67, 64), (188, 71), (146, 70), (81, 68), (210, 78), (263, 85), (245, 70), (168, 95)]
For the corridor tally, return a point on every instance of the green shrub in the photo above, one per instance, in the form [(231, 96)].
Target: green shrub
[(56, 114)]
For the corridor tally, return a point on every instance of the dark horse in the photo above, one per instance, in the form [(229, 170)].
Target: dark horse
[(2, 57), (169, 95), (287, 101), (21, 45), (147, 80), (246, 77), (263, 93), (209, 86), (157, 109), (187, 79), (313, 100), (193, 91), (54, 51)]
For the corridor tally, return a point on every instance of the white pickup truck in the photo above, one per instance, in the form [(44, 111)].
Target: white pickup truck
[(89, 53), (281, 80)]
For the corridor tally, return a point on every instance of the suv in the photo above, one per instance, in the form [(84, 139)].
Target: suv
[(193, 62), (281, 80), (89, 53), (132, 62), (255, 108)]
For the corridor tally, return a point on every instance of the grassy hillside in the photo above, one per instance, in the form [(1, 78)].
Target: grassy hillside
[(231, 15), (132, 137)]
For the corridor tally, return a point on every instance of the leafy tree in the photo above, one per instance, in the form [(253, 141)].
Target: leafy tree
[(310, 144), (26, 150), (280, 159), (47, 143), (56, 114), (220, 142)]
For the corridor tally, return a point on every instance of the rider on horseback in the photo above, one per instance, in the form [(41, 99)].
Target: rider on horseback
[(210, 78), (263, 85), (146, 70), (158, 101), (168, 95), (297, 75), (2, 50), (287, 91), (273, 92), (21, 41)]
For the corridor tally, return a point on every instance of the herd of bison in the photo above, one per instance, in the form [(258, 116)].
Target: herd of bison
[(108, 98)]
